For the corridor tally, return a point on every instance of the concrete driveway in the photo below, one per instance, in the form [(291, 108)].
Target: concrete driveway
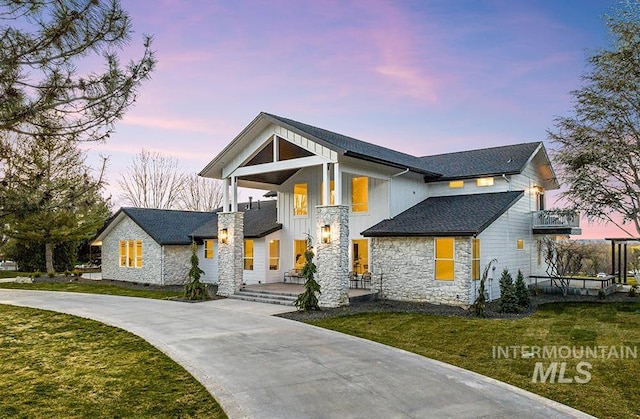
[(261, 366)]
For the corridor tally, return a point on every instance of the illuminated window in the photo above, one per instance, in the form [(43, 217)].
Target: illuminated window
[(131, 253), (475, 259), (360, 194), (248, 255), (299, 247), (456, 184), (444, 258), (300, 199), (274, 255), (332, 193), (520, 244), (484, 181), (208, 249), (360, 256)]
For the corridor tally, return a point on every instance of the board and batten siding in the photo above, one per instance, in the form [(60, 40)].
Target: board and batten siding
[(499, 241), (209, 266), (149, 273)]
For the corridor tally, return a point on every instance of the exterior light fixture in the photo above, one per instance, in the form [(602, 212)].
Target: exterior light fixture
[(224, 235), (326, 233)]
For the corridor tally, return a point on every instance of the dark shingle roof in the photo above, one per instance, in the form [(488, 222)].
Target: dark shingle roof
[(459, 215), (258, 222), (356, 148), (168, 226), (495, 161)]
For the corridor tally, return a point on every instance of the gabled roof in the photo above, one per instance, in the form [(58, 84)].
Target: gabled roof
[(494, 161), (352, 147), (458, 215), (168, 226), (259, 221)]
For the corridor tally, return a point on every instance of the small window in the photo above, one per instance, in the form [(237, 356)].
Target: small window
[(274, 255), (444, 258), (300, 199), (475, 259), (455, 184), (248, 255), (130, 253), (520, 244), (484, 181), (360, 194), (208, 249), (332, 193)]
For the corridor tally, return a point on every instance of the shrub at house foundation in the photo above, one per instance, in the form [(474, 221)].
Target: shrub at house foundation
[(194, 289), (308, 299), (480, 304), (508, 301), (522, 292)]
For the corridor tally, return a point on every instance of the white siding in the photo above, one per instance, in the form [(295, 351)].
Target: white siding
[(209, 266)]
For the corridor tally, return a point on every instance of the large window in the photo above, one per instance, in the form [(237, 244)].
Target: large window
[(208, 249), (332, 193), (131, 253), (299, 247), (444, 258), (360, 256), (475, 259), (360, 194), (248, 255), (274, 255), (300, 199)]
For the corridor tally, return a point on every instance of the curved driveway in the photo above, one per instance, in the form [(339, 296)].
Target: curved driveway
[(261, 366)]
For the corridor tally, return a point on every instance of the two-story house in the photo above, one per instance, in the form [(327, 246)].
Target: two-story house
[(418, 228)]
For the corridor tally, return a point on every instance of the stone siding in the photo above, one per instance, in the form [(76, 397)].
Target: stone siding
[(230, 254), (149, 273), (177, 263), (403, 268), (332, 259)]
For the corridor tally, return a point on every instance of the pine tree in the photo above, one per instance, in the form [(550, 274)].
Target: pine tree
[(508, 301), (194, 289), (521, 291), (480, 304), (308, 299)]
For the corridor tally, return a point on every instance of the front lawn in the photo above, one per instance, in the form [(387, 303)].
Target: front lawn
[(57, 365), (94, 288), (472, 344)]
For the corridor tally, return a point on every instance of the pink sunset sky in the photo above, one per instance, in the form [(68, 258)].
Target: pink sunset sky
[(423, 77)]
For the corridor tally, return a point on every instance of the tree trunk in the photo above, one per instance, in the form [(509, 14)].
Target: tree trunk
[(48, 256)]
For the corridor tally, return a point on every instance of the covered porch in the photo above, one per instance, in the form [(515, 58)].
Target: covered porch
[(286, 293)]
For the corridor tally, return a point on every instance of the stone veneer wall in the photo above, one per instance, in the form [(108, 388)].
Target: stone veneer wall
[(230, 254), (177, 262), (151, 255), (332, 259), (407, 266)]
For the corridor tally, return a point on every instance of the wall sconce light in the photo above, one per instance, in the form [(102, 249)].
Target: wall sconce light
[(326, 233), (224, 235)]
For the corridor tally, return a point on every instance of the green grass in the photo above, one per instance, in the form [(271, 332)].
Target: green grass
[(57, 365), (468, 343), (97, 288), (13, 274)]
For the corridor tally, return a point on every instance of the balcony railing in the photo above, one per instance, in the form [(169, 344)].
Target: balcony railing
[(556, 219)]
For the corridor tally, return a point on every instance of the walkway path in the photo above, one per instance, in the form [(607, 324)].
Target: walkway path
[(261, 366)]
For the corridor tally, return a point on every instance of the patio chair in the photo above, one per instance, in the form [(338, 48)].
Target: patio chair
[(366, 279), (353, 279)]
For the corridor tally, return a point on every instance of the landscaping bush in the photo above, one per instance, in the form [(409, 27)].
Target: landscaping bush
[(52, 274), (522, 291), (633, 291), (194, 289), (308, 299), (36, 274), (508, 300)]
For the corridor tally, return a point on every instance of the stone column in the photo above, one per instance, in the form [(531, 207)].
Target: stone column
[(332, 259), (230, 254)]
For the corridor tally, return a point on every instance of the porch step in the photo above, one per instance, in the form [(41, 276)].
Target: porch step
[(286, 299)]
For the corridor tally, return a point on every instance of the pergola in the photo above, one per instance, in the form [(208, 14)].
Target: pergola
[(621, 259)]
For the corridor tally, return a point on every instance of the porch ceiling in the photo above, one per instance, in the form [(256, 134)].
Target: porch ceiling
[(271, 178)]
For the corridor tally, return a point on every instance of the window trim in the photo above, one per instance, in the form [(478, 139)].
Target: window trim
[(519, 245), (475, 259), (452, 260), (272, 258), (246, 258), (366, 195), (301, 211), (130, 254), (208, 249), (483, 182)]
